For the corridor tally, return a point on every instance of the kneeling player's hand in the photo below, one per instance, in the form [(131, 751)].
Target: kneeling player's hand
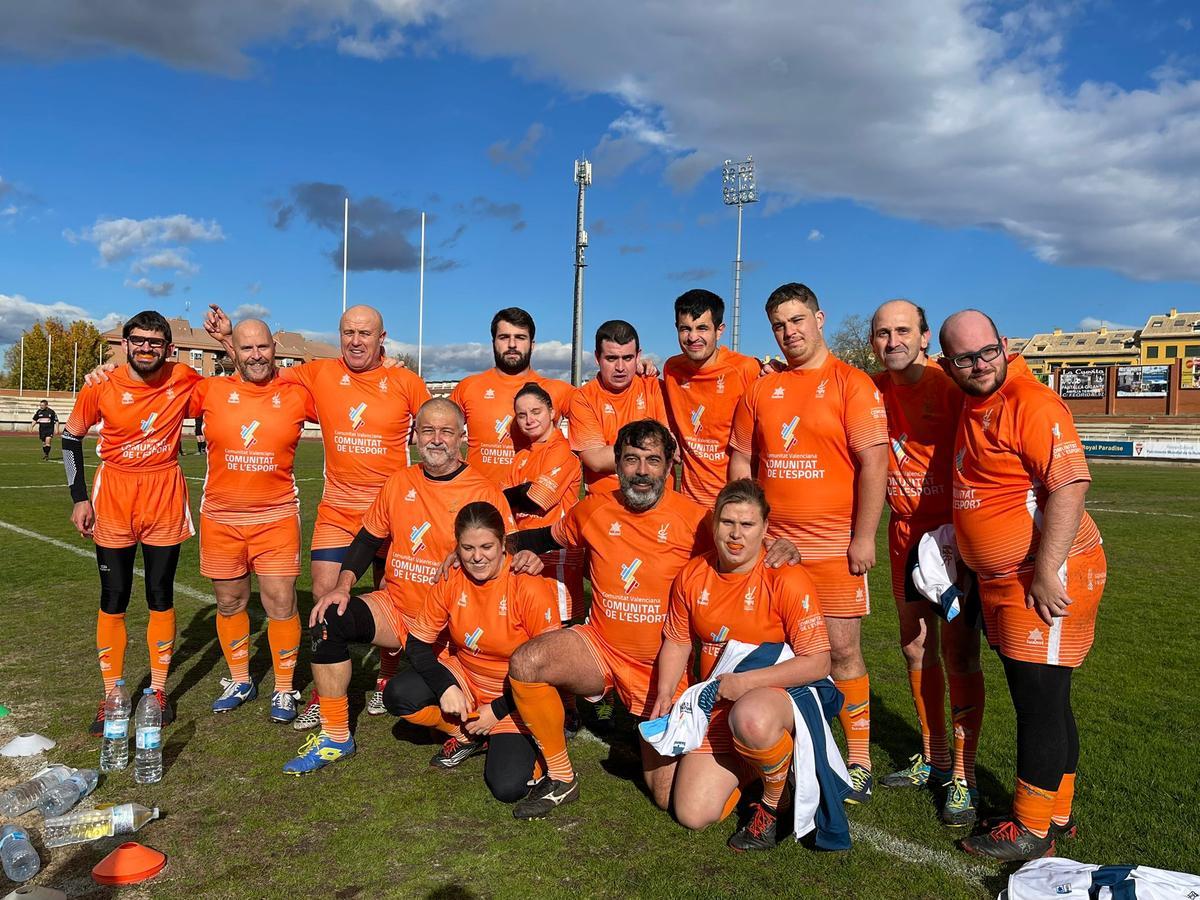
[(454, 703), (526, 562), (731, 686), (662, 706), (99, 375), (781, 552), (482, 724), (83, 517), (1049, 598), (335, 598), (443, 571), (861, 554)]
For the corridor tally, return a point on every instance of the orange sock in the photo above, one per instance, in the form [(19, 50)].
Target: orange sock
[(731, 804), (856, 719), (335, 718), (929, 696), (431, 717), (542, 709), (284, 637), (234, 634), (1033, 806), (160, 638), (966, 708), (772, 763), (1063, 799), (389, 662), (110, 647)]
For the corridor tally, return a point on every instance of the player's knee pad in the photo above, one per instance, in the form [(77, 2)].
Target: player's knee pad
[(161, 563), (116, 578), (331, 637), (406, 692)]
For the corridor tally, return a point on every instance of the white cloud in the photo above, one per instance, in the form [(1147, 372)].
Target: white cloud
[(18, 313), (816, 235), (1091, 323), (118, 239), (170, 258), (152, 288), (251, 311)]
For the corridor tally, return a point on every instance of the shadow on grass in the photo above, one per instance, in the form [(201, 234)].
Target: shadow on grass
[(453, 891), (198, 647), (179, 738)]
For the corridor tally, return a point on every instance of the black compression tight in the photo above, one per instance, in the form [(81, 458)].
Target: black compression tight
[(1047, 740), (116, 576)]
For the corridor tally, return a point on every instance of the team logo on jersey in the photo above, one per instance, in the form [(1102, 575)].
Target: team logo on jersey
[(170, 393), (276, 401), (234, 398), (489, 394), (547, 615), (614, 528), (788, 432), (608, 410), (248, 439), (898, 450), (958, 458), (356, 415), (721, 636), (345, 380), (472, 640), (702, 600), (641, 403), (504, 605), (462, 599), (148, 423), (553, 471), (685, 385), (777, 394), (804, 603), (697, 414), (629, 574), (662, 532), (987, 419), (825, 381), (417, 537), (411, 496), (126, 398), (502, 428), (1057, 432), (720, 384), (1035, 638), (748, 600), (383, 384), (877, 397)]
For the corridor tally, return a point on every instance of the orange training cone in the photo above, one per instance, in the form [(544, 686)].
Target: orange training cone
[(129, 864)]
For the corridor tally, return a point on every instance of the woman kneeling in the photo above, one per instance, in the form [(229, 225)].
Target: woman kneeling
[(728, 594)]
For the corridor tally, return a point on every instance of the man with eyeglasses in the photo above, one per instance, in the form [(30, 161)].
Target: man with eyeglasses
[(1020, 479), (139, 495)]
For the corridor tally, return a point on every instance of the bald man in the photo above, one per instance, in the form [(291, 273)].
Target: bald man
[(923, 407), (1020, 479), (365, 411), (413, 515)]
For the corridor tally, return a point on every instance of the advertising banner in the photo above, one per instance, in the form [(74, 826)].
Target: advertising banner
[(1082, 384), (1142, 381), (1166, 449), (1118, 449), (1189, 378)]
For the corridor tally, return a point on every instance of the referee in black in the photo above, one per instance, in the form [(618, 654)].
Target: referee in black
[(46, 419)]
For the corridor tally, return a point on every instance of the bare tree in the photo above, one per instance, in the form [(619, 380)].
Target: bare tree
[(851, 343)]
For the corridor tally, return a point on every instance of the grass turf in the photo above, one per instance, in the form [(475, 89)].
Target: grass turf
[(384, 824)]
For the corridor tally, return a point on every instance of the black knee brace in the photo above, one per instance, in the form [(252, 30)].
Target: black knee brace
[(407, 692), (160, 563), (116, 577), (332, 636)]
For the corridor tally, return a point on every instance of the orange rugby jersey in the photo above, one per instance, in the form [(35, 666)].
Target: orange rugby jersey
[(922, 419), (553, 473), (487, 401), (804, 427), (366, 418), (700, 404), (632, 559), (252, 431), (756, 607), (1013, 448), (417, 513), (139, 424), (487, 622), (597, 415)]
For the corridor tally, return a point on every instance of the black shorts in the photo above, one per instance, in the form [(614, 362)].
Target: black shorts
[(45, 431)]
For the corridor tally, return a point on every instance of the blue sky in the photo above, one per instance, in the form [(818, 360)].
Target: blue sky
[(1039, 161)]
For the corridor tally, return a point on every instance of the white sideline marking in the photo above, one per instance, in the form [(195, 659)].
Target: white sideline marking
[(27, 487), (972, 873), (79, 551), (1140, 512)]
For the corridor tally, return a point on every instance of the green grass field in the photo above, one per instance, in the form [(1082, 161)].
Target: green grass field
[(383, 824)]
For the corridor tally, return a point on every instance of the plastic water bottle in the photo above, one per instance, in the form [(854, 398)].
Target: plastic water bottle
[(147, 757), (114, 754), (24, 797), (90, 825), (66, 794), (20, 860)]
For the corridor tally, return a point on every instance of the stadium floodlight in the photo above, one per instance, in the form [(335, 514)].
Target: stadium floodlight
[(738, 188), (583, 178)]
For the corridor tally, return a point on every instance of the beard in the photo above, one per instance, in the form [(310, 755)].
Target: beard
[(512, 366), (147, 368), (640, 501)]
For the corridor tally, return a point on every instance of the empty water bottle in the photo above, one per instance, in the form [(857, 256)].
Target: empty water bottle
[(66, 794), (24, 797), (114, 754), (91, 825), (147, 757), (20, 860)]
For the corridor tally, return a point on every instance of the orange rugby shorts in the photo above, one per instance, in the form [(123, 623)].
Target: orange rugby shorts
[(842, 595), (634, 681), (134, 507), (267, 548)]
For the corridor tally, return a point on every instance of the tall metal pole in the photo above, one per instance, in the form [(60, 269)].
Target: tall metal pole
[(421, 301), (738, 189), (75, 369), (345, 250), (49, 351), (737, 286), (583, 178), (21, 380)]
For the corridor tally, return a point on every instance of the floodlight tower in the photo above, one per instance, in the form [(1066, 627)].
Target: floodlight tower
[(737, 182), (583, 178)]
